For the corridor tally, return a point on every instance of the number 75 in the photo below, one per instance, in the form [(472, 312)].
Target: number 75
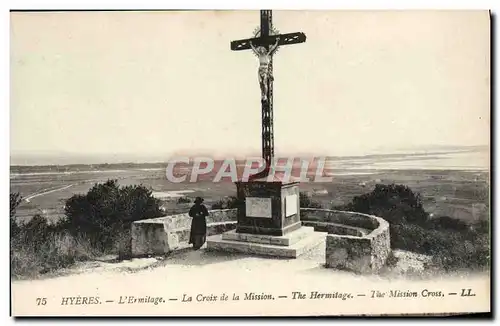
[(41, 301)]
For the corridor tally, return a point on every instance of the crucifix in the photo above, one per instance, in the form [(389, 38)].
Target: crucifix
[(264, 45)]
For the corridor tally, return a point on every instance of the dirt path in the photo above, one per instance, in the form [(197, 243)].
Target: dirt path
[(51, 190), (45, 191), (201, 276)]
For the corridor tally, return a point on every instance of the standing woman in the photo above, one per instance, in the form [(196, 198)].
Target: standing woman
[(199, 223)]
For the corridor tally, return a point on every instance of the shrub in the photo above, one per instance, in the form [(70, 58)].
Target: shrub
[(32, 257), (37, 230), (394, 203), (183, 200), (39, 247), (392, 260), (218, 204), (15, 201), (453, 243), (107, 211), (307, 202), (95, 223), (446, 222), (481, 227), (227, 203)]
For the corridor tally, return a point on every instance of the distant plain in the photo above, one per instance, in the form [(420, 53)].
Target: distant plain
[(454, 184)]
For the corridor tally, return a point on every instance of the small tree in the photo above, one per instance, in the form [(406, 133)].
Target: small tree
[(37, 230), (395, 203), (307, 202), (227, 203), (452, 243), (106, 212), (15, 201), (183, 200), (448, 223)]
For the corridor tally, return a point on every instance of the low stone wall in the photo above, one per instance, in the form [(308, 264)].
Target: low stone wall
[(338, 217), (163, 234), (333, 228), (366, 251), (356, 242)]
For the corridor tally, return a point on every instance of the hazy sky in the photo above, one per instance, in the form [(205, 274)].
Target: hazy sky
[(162, 82)]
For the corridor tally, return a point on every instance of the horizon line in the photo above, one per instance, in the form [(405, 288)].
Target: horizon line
[(450, 149)]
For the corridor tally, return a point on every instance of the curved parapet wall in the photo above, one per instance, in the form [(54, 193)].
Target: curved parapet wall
[(163, 234), (350, 219), (357, 242)]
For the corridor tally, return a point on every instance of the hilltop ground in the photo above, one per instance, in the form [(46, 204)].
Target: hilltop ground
[(194, 273)]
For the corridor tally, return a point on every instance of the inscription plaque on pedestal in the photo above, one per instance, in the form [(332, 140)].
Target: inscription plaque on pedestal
[(291, 205), (258, 207), (264, 211)]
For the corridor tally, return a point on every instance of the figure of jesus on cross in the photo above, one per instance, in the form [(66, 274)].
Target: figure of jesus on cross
[(264, 60), (264, 46)]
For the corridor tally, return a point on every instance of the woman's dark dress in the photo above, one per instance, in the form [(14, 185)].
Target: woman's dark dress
[(198, 225)]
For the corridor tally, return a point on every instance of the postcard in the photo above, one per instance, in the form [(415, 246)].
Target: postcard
[(250, 163)]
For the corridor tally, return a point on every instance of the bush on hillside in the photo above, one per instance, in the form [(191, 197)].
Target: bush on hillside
[(448, 223), (15, 201), (481, 227), (51, 251), (227, 203), (394, 203), (183, 200), (107, 211), (96, 223), (453, 243), (306, 201), (37, 247)]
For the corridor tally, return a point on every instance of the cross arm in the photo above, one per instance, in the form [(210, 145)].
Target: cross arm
[(285, 39)]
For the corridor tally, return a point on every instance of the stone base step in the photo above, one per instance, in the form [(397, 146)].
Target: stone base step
[(284, 240), (312, 240)]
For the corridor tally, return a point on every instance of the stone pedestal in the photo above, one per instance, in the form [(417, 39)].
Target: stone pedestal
[(270, 208), (268, 222)]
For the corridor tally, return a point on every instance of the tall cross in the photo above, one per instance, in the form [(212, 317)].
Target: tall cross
[(268, 40)]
